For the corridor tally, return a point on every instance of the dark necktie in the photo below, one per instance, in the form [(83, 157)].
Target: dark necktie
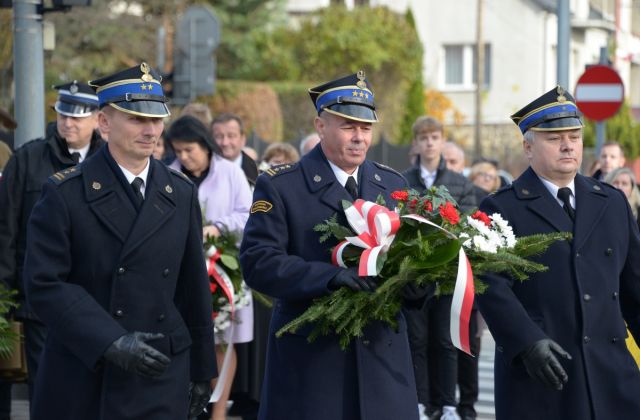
[(75, 157), (564, 194), (352, 187), (136, 184)]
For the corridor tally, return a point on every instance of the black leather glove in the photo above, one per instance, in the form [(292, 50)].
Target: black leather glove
[(199, 395), (349, 277), (414, 292), (542, 364), (132, 354)]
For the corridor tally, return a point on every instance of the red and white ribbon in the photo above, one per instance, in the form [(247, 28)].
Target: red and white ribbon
[(375, 226), (461, 305), (224, 282), (463, 294), (220, 276)]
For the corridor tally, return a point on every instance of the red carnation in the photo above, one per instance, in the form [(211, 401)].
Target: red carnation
[(482, 216), (213, 286), (400, 195), (449, 213), (412, 203), (428, 206)]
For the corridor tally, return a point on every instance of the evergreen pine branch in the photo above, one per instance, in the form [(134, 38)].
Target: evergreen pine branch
[(262, 298)]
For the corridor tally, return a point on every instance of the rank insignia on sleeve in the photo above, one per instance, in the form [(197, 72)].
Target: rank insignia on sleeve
[(261, 206)]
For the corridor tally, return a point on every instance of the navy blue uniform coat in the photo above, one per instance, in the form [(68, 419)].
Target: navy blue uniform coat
[(282, 257), (96, 269), (592, 286)]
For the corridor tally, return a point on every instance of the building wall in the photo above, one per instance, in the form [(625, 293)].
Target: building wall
[(518, 51)]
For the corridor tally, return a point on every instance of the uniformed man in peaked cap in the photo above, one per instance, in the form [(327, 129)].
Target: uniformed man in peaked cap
[(560, 336), (282, 257), (115, 269), (68, 141)]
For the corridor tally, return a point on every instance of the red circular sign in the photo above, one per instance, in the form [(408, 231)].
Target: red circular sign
[(599, 92)]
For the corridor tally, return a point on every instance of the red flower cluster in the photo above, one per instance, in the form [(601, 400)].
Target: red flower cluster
[(482, 216), (449, 213), (428, 206), (400, 195), (412, 203)]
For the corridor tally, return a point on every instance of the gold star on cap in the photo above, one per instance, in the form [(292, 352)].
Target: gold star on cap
[(144, 68), (143, 87), (361, 83)]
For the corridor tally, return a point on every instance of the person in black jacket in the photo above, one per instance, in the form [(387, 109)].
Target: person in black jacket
[(434, 357), (115, 268), (68, 141)]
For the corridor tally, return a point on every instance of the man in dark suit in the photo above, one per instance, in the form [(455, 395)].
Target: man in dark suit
[(560, 336), (115, 269), (228, 133), (434, 356), (68, 141), (282, 257)]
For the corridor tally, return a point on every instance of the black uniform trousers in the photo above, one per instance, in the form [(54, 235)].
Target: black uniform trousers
[(433, 354), (468, 369)]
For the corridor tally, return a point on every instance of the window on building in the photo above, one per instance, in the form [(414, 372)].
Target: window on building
[(460, 63)]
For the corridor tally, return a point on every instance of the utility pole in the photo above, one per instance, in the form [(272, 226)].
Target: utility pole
[(479, 80), (564, 28), (28, 68)]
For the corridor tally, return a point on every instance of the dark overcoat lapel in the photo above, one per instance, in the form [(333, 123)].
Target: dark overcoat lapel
[(108, 199), (159, 205), (529, 188), (591, 204)]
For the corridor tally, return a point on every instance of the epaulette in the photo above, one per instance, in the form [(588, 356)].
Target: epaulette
[(502, 189), (387, 168), (281, 169), (62, 176), (24, 148), (598, 185), (180, 175)]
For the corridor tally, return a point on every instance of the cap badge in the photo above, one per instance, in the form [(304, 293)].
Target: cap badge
[(561, 97), (361, 83), (96, 185), (73, 89), (144, 68)]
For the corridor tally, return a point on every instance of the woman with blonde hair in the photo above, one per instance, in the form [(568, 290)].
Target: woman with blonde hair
[(278, 154), (484, 175), (625, 180)]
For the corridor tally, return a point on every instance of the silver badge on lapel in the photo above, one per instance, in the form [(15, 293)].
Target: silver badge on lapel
[(317, 178), (377, 177), (96, 185), (525, 192), (168, 189), (596, 187)]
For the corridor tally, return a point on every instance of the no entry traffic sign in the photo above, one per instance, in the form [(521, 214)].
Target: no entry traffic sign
[(599, 92)]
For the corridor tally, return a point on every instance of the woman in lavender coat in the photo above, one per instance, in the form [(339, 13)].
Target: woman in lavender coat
[(225, 199)]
